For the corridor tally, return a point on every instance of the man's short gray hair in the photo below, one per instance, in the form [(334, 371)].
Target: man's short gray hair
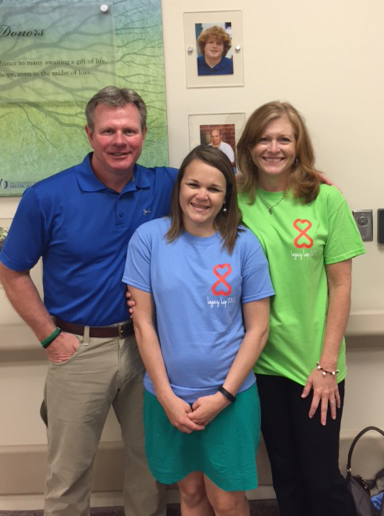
[(116, 97)]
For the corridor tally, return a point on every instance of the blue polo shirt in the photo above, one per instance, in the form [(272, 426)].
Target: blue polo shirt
[(81, 228), (225, 67)]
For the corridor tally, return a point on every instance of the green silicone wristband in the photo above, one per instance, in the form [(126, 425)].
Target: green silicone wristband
[(46, 342)]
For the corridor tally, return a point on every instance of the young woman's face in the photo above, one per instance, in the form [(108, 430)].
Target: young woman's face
[(275, 151), (213, 49), (202, 195)]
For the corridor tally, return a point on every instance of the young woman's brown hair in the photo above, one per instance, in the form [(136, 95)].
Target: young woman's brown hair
[(228, 220)]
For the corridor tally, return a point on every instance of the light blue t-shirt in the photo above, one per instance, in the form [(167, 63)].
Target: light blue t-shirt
[(198, 289)]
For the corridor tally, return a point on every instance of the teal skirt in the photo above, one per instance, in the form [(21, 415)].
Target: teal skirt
[(225, 451)]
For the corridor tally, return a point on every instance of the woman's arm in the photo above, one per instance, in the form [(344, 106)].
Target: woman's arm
[(256, 318), (325, 388), (149, 347)]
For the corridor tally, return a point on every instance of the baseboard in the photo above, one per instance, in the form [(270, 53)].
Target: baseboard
[(23, 468)]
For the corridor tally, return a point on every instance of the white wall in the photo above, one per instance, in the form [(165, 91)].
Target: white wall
[(327, 59)]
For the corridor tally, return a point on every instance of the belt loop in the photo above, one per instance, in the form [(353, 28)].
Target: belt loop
[(87, 339), (121, 328)]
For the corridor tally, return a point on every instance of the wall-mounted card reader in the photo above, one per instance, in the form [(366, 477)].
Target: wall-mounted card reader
[(380, 226), (364, 221)]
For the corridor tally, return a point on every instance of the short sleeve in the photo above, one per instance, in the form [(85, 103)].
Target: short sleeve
[(28, 236), (231, 154), (344, 240), (256, 281), (137, 271)]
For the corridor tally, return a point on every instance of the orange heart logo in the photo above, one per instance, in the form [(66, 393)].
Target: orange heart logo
[(302, 226), (226, 270)]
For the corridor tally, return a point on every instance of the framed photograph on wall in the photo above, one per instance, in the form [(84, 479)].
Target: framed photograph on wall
[(4, 227), (36, 272), (214, 49), (217, 130)]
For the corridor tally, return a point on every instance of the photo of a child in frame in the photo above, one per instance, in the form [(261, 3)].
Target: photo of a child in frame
[(214, 42)]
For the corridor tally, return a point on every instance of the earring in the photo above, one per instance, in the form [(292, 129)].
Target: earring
[(224, 209)]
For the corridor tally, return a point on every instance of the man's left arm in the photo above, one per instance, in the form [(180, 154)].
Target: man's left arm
[(25, 299)]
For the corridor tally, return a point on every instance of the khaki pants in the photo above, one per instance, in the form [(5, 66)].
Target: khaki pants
[(78, 395)]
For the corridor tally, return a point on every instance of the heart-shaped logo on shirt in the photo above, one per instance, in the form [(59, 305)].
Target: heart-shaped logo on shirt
[(303, 239), (222, 271)]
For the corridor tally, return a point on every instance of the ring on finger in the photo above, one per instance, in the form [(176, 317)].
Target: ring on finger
[(332, 402)]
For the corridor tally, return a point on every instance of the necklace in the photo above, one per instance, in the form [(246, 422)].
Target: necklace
[(269, 206)]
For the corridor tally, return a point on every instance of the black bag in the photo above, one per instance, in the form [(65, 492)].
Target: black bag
[(359, 487)]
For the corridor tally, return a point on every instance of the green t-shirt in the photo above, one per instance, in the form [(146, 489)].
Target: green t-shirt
[(299, 240)]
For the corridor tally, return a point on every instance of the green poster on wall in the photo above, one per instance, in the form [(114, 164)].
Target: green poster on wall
[(53, 57)]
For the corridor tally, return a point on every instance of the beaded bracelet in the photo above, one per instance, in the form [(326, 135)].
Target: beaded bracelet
[(324, 372), (230, 397), (48, 341)]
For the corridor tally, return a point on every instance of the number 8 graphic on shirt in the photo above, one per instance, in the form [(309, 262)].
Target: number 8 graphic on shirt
[(306, 226), (227, 269)]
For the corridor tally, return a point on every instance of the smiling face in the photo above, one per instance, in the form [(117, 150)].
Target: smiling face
[(117, 140), (202, 195), (275, 152), (215, 137), (214, 49)]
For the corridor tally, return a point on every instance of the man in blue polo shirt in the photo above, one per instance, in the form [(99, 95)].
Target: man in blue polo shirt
[(80, 221)]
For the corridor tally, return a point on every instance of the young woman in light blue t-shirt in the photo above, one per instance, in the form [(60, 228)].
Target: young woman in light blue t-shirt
[(201, 287)]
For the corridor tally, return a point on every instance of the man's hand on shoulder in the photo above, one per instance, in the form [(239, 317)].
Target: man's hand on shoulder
[(62, 348), (324, 179)]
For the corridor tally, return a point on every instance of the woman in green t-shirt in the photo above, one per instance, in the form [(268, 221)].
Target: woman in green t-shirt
[(309, 236)]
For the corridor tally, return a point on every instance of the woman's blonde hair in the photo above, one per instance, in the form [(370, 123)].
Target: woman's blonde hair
[(303, 181), (216, 33), (228, 220)]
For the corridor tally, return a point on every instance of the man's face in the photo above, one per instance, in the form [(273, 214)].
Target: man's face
[(214, 49), (216, 137), (116, 139)]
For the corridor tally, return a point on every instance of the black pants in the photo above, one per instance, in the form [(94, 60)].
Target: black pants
[(304, 454)]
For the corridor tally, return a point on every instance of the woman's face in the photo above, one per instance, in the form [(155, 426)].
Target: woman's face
[(275, 151), (202, 195), (213, 49)]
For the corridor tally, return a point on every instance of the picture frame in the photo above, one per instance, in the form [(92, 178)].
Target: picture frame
[(36, 271), (229, 71), (204, 129), (5, 224)]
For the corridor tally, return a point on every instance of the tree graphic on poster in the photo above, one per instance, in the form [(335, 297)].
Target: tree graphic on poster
[(42, 128)]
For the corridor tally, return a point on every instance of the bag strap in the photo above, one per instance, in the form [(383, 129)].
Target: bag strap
[(379, 475), (360, 434)]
